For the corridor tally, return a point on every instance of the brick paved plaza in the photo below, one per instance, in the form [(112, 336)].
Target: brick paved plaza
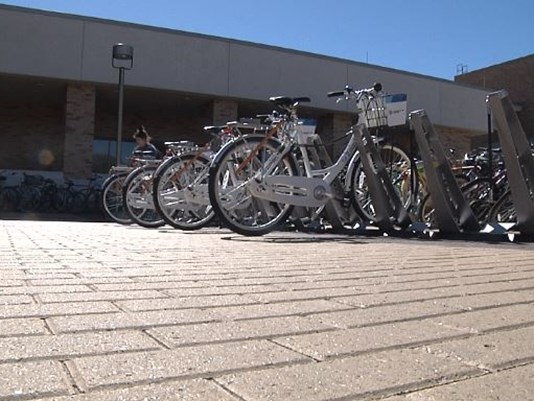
[(98, 311)]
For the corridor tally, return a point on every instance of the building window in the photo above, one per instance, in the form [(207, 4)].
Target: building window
[(104, 153)]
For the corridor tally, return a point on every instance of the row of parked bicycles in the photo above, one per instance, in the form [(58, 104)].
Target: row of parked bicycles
[(266, 173), (27, 193)]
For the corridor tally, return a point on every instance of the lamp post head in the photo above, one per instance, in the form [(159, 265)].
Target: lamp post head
[(122, 56)]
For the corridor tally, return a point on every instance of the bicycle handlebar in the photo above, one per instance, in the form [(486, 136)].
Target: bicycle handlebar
[(350, 92)]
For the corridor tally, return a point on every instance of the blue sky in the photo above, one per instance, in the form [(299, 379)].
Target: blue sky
[(429, 37)]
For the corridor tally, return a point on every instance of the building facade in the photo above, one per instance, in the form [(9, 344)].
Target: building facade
[(58, 90)]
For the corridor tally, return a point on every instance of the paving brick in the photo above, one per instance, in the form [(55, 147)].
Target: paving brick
[(490, 319), (493, 350), (123, 320), (100, 296), (385, 313), (43, 289), (206, 360), (40, 275), (33, 379), (350, 378), (186, 390), (468, 285), (70, 308), (70, 345), (357, 284), (15, 299), (276, 309), (365, 339), (221, 290), (434, 293), (181, 303), (231, 331), (492, 299), (11, 282), (17, 327), (79, 281), (511, 384), (304, 294)]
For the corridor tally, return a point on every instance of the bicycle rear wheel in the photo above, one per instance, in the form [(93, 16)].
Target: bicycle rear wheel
[(232, 200), (181, 192), (9, 199), (504, 210), (478, 195), (29, 199)]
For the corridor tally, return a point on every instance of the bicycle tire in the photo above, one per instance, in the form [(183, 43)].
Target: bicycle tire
[(76, 202), (425, 207), (180, 192), (503, 211), (112, 203), (233, 203), (93, 200), (477, 195), (9, 199), (138, 199), (28, 199), (398, 171)]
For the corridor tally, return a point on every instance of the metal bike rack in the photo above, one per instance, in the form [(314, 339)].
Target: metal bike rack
[(337, 215), (453, 213), (385, 199), (517, 158)]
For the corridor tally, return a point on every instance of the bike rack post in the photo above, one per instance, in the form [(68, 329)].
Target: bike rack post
[(386, 202), (453, 213), (336, 215), (517, 158)]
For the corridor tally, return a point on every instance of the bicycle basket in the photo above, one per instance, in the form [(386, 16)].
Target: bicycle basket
[(372, 112)]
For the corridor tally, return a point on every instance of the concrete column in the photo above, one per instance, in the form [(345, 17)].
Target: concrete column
[(224, 111), (79, 131), (331, 127)]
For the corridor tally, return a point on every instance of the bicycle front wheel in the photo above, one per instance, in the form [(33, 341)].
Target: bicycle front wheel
[(399, 167), (138, 199), (230, 175), (112, 202)]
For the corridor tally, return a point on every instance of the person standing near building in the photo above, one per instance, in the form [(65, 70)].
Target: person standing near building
[(144, 148)]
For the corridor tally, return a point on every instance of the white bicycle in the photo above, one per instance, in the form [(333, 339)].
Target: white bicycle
[(255, 181)]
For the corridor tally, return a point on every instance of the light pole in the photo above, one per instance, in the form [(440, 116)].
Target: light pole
[(122, 59)]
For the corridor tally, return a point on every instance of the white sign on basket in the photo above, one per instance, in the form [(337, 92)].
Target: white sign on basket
[(396, 107)]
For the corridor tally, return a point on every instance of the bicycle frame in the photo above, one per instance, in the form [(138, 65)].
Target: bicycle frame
[(313, 189)]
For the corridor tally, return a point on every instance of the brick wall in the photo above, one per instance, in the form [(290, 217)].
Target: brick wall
[(223, 111), (517, 77), (32, 136), (332, 127), (161, 126), (79, 131), (461, 141)]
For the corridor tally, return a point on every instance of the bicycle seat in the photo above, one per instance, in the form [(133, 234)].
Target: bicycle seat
[(288, 101), (180, 143), (214, 129)]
